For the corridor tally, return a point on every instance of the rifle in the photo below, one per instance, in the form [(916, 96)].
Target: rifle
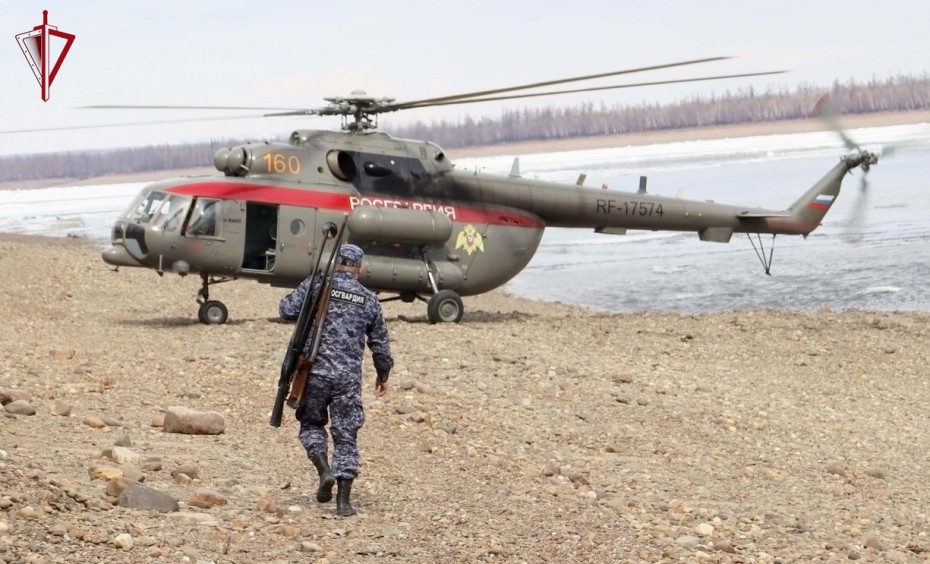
[(304, 363), (311, 309)]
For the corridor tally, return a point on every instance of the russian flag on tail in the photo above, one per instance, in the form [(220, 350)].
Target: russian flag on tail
[(821, 202)]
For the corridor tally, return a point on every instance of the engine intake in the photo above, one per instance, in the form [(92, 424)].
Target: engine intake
[(233, 162), (341, 165)]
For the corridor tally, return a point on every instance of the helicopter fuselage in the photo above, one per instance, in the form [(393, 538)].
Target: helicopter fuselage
[(425, 225), (269, 232)]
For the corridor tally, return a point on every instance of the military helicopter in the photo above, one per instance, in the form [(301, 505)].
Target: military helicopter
[(431, 232)]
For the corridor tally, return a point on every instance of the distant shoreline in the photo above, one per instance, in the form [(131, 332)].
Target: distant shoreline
[(881, 119)]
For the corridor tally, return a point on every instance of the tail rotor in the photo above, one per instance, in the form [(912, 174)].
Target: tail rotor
[(861, 158)]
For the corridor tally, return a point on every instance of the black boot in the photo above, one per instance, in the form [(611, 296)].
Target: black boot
[(325, 492), (343, 507)]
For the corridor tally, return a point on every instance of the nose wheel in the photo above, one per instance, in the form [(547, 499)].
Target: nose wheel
[(211, 312)]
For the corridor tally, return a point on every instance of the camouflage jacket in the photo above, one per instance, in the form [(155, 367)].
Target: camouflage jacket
[(354, 314)]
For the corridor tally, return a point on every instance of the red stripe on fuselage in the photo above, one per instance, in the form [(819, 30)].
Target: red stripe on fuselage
[(338, 201), (266, 194)]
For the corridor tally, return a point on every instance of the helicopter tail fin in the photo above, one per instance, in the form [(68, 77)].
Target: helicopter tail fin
[(808, 211)]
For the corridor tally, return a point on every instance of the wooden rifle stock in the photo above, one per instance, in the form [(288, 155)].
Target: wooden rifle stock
[(299, 382), (305, 363), (310, 310)]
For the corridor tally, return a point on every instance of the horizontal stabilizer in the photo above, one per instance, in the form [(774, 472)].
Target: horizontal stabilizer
[(749, 215), (611, 230)]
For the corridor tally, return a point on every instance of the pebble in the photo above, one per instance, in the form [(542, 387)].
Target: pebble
[(188, 470), (124, 541), (704, 529), (60, 408), (307, 546), (94, 422), (123, 441)]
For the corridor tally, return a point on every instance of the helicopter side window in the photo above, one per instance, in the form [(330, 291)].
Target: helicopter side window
[(384, 174), (203, 220), (171, 213), (147, 207)]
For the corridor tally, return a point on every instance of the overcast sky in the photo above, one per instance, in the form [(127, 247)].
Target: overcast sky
[(292, 54)]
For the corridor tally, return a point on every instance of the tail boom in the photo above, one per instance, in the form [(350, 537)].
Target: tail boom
[(805, 214)]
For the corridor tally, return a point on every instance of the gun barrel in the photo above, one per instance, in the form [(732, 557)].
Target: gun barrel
[(277, 411)]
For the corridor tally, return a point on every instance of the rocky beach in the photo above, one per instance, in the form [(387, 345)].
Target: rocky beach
[(530, 432)]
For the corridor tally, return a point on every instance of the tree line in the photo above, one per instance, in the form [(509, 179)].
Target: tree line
[(897, 93)]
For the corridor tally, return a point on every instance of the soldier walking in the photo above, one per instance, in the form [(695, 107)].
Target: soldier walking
[(334, 386)]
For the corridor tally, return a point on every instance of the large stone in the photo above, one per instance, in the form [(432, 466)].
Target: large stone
[(137, 496), (20, 407), (192, 422)]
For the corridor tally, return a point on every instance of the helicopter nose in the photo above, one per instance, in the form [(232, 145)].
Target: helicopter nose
[(117, 255)]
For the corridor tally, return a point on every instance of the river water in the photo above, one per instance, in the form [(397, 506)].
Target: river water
[(879, 261)]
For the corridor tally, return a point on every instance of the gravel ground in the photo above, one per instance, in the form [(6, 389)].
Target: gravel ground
[(530, 432)]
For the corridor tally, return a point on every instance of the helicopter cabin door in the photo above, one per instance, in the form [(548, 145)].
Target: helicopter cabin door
[(258, 250), (294, 241)]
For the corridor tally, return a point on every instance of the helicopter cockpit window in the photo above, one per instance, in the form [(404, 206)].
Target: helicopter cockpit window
[(171, 213), (147, 207), (203, 221)]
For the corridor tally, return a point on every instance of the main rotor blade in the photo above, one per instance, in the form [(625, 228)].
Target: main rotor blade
[(308, 112), (432, 101), (131, 107), (100, 126), (596, 88)]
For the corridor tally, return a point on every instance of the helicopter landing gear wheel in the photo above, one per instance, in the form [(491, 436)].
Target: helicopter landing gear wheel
[(213, 312), (445, 306)]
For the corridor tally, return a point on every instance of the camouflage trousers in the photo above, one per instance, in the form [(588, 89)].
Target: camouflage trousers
[(339, 399)]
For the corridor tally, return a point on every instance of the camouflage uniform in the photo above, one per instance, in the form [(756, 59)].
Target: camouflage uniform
[(335, 380)]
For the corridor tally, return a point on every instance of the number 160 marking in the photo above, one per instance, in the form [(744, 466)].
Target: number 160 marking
[(276, 162)]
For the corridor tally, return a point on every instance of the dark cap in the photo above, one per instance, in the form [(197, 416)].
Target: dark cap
[(350, 255)]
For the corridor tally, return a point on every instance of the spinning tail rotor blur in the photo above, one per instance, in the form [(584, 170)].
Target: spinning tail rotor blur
[(855, 226)]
